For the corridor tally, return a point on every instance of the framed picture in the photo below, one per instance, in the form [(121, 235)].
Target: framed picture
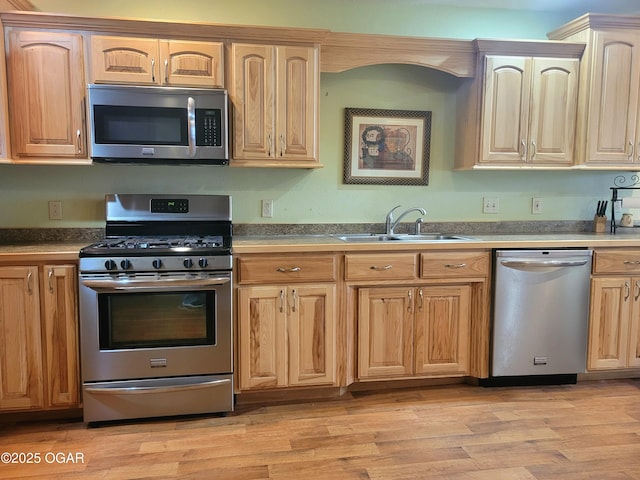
[(387, 147)]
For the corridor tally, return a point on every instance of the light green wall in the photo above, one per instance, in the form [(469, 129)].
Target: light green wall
[(319, 196)]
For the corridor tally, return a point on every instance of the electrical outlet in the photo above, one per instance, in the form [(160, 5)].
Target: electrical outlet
[(490, 205), (55, 210), (536, 205), (267, 208)]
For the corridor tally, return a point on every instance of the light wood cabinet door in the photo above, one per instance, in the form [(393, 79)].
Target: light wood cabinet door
[(312, 332), (554, 104), (611, 303), (262, 337), (253, 95), (633, 359), (4, 104), (505, 124), (385, 332), (192, 64), (274, 90), (46, 92), (287, 336), (613, 136), (149, 61), (529, 110), (61, 335), (21, 375), (443, 315), (297, 103), (124, 60)]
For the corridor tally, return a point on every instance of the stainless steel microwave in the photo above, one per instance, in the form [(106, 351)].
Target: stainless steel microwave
[(158, 125)]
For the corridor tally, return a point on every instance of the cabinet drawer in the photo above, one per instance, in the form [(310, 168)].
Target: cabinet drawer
[(616, 261), (289, 268), (376, 266), (454, 264)]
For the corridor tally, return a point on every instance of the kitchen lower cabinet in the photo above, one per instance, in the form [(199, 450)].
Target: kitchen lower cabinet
[(419, 315), (413, 331), (46, 85), (286, 332), (614, 323), (38, 337)]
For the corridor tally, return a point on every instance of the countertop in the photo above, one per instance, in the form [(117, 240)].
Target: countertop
[(68, 251), (327, 243)]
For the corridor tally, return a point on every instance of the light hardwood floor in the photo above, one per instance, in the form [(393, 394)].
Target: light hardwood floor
[(585, 431)]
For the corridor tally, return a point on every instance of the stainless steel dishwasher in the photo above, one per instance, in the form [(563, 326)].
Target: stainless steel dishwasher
[(540, 314)]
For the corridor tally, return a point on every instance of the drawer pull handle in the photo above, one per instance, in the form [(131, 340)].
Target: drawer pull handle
[(285, 270), (455, 265), (632, 262), (410, 302), (281, 300), (386, 267)]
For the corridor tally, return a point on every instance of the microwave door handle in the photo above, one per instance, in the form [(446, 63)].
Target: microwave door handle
[(191, 119)]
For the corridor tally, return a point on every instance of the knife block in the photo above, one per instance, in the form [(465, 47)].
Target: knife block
[(599, 224)]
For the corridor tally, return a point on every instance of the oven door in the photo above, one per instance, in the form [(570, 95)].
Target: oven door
[(152, 325)]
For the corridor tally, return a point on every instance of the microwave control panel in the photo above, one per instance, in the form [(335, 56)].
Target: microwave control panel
[(208, 127)]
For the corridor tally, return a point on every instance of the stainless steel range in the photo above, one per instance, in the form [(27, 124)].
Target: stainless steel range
[(155, 309)]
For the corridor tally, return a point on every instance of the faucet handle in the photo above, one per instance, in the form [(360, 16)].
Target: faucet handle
[(390, 214)]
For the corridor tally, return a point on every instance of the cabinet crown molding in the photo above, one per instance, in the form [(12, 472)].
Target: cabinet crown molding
[(594, 21), (529, 48), (164, 29)]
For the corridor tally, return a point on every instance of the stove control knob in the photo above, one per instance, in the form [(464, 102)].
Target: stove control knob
[(188, 263), (125, 264), (203, 262), (157, 263), (110, 265)]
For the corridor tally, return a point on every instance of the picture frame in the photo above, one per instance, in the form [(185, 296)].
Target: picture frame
[(387, 147)]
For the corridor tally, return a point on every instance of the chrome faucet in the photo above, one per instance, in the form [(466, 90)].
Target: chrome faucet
[(391, 223)]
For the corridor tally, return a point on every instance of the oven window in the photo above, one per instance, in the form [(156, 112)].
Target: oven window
[(129, 125), (144, 320)]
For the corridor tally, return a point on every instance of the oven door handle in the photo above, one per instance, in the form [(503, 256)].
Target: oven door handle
[(151, 389), (154, 284)]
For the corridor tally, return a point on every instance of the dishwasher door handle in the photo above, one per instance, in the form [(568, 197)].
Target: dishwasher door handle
[(542, 263)]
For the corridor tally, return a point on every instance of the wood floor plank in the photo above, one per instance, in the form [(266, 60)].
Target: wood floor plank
[(457, 432)]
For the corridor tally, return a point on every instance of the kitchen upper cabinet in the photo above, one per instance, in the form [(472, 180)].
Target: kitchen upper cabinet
[(274, 91), (608, 129), (613, 126), (520, 111), (286, 317), (4, 104), (529, 113), (149, 61), (46, 97), (39, 337)]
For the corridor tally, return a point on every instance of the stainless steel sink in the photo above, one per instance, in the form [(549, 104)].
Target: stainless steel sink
[(408, 237)]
